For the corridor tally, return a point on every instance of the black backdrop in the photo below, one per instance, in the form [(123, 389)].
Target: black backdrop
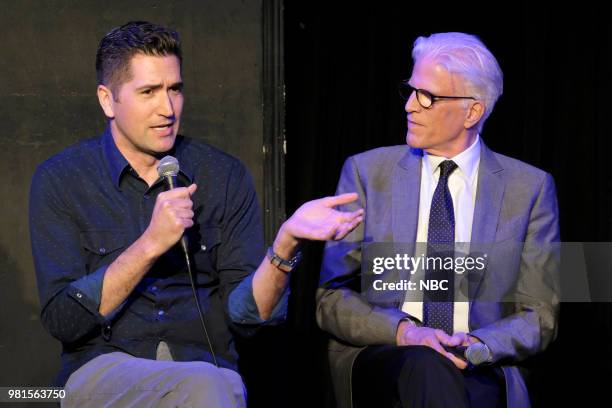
[(342, 64)]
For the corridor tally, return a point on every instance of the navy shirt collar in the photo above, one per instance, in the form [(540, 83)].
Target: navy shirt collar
[(117, 164)]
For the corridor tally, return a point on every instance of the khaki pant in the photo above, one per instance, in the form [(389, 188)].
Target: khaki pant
[(121, 380)]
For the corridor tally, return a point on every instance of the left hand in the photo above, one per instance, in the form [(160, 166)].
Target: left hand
[(462, 339), (318, 220)]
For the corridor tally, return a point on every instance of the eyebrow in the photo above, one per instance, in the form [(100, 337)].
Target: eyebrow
[(155, 87)]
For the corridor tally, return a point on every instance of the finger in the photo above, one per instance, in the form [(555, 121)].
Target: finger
[(459, 363), (355, 222), (179, 192), (442, 337), (192, 189), (184, 213), (350, 216), (340, 233), (456, 339), (347, 228), (183, 203), (176, 203), (187, 222), (435, 344), (469, 340), (340, 199)]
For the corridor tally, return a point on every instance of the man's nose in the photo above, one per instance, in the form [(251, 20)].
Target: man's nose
[(166, 105), (412, 105)]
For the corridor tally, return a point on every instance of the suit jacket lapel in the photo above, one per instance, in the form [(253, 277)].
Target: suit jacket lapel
[(489, 201), (405, 197), (405, 192), (489, 197)]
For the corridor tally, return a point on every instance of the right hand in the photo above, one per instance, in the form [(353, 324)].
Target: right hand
[(408, 334), (172, 215)]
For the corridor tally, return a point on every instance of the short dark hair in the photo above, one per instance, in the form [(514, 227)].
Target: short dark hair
[(136, 37)]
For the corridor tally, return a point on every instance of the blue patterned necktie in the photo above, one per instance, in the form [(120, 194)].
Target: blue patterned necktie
[(438, 304)]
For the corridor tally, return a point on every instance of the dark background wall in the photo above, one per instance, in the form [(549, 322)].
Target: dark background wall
[(343, 62), (48, 101)]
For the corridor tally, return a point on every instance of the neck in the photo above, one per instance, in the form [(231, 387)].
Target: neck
[(143, 163), (454, 147)]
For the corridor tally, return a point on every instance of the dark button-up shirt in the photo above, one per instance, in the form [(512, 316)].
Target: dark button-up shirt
[(87, 205)]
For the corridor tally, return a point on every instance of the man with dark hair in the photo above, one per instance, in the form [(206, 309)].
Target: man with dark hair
[(119, 46), (113, 284)]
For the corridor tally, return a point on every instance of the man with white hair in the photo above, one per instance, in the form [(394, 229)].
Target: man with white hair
[(445, 187)]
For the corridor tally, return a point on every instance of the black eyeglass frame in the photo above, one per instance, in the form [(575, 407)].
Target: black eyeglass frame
[(406, 90)]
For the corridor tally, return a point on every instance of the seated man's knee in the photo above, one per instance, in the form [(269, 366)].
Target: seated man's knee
[(208, 384), (202, 376), (423, 359)]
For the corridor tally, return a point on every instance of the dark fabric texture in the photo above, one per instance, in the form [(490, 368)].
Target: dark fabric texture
[(418, 376)]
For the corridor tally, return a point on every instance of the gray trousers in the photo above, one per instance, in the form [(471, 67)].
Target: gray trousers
[(121, 380)]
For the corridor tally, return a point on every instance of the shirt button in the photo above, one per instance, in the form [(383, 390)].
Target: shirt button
[(203, 247), (102, 250), (79, 295), (160, 312), (106, 333)]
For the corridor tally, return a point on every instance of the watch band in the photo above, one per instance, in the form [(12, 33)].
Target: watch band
[(283, 264)]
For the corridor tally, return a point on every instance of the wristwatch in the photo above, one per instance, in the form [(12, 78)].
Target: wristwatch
[(283, 264)]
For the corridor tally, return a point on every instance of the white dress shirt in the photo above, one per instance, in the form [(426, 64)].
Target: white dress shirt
[(462, 185)]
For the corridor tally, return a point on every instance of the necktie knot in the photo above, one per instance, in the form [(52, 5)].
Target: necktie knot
[(446, 168)]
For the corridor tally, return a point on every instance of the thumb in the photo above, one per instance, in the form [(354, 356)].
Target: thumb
[(192, 188)]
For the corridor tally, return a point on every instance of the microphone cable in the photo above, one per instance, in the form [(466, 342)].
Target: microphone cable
[(168, 169)]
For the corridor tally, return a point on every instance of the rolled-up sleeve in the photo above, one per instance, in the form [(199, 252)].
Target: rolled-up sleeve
[(243, 309), (241, 253), (69, 297)]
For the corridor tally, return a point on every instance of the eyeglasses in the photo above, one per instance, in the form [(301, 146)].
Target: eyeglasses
[(425, 98)]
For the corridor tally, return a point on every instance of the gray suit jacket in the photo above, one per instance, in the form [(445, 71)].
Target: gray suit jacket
[(515, 203)]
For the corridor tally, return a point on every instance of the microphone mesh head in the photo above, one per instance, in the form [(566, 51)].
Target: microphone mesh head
[(168, 166), (477, 353)]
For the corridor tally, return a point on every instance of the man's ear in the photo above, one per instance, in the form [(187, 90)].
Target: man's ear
[(105, 97), (474, 114)]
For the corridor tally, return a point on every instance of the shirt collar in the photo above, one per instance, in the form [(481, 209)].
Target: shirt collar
[(467, 160), (114, 159), (117, 164)]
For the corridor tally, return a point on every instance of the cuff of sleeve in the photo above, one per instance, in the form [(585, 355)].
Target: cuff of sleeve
[(389, 325), (88, 289), (416, 322), (243, 309)]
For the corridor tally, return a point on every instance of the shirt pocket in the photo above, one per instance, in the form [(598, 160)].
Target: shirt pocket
[(102, 247), (204, 247)]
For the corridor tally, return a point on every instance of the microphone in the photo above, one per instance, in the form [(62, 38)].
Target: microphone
[(475, 354), (478, 353), (168, 168)]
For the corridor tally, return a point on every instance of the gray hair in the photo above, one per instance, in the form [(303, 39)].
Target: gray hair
[(467, 56)]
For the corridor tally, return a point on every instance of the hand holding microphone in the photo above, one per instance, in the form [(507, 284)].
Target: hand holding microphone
[(173, 211), (474, 354)]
